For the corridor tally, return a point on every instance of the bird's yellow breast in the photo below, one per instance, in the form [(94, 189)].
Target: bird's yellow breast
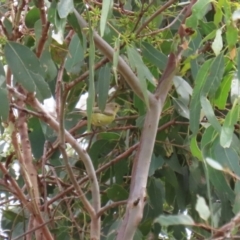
[(100, 119)]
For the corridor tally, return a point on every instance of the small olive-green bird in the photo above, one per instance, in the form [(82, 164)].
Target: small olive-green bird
[(106, 117)]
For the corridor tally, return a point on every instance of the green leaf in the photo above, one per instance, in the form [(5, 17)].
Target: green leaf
[(180, 219), (209, 136), (202, 208), (38, 31), (50, 69), (8, 26), (195, 149), (154, 56), (236, 206), (218, 15), (4, 106), (109, 136), (100, 149), (214, 76), (228, 158), (138, 235), (214, 164), (59, 24), (182, 87), (206, 29), (228, 126), (232, 35), (116, 57), (194, 68), (42, 88), (72, 20), (170, 177), (117, 193), (120, 169), (104, 77), (222, 92), (14, 215), (217, 44), (75, 56), (2, 74), (155, 192), (195, 106), (27, 69), (91, 87), (106, 6), (111, 234), (36, 136), (222, 188), (181, 107), (238, 64), (65, 7), (31, 17), (199, 10), (210, 36), (20, 62), (142, 71), (207, 82), (156, 162), (173, 163), (207, 108)]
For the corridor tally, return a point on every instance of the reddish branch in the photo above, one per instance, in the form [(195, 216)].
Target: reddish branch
[(107, 165), (86, 74), (98, 171), (29, 172), (226, 229), (43, 39), (136, 201), (41, 6), (45, 28)]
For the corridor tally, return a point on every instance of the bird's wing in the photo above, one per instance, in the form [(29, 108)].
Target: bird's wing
[(107, 111)]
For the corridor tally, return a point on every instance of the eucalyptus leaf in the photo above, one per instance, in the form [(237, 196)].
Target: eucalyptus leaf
[(106, 6), (65, 7), (27, 69), (180, 219), (228, 126), (202, 208)]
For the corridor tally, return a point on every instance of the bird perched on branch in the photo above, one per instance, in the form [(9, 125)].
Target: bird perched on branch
[(102, 118)]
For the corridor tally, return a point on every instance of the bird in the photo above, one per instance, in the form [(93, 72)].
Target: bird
[(102, 118)]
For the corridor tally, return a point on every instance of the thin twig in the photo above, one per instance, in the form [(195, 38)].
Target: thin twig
[(112, 205), (33, 229), (73, 83), (98, 171), (159, 11), (165, 28)]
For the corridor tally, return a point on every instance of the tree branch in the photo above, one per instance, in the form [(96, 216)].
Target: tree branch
[(159, 11), (73, 142), (122, 67), (29, 171), (99, 170), (137, 197), (112, 205)]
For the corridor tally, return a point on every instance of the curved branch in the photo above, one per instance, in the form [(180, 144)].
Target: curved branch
[(122, 67), (112, 205), (102, 168), (46, 117), (137, 196), (160, 10)]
